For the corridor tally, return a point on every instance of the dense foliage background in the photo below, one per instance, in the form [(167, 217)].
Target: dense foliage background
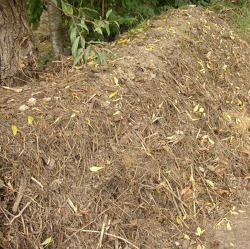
[(87, 21)]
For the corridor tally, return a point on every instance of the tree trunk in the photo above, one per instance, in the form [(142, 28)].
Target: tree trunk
[(55, 25), (16, 42)]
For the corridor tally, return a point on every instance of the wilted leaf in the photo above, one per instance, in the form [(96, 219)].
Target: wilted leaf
[(31, 101), (233, 213), (200, 247), (224, 67), (201, 110), (210, 183), (96, 168), (211, 141), (112, 95), (229, 118), (46, 242), (71, 204), (116, 113), (30, 120), (186, 237), (14, 129), (220, 223), (178, 220), (196, 108), (57, 120), (190, 117), (241, 211), (23, 108), (123, 41), (229, 228), (185, 190), (199, 231), (116, 81), (150, 47)]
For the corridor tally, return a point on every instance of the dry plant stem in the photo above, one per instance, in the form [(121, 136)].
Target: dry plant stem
[(19, 195), (108, 234), (171, 191), (194, 189), (37, 182), (120, 238), (20, 213), (102, 231)]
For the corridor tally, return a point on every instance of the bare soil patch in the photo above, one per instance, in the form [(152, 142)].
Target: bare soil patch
[(166, 123)]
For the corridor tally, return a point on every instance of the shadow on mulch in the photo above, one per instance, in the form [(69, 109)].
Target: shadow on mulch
[(135, 154)]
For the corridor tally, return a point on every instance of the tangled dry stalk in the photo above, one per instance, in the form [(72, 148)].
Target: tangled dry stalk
[(166, 126)]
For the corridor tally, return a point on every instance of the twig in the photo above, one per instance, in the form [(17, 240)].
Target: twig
[(194, 189), (109, 234), (120, 238), (37, 182), (19, 195), (102, 231), (20, 213)]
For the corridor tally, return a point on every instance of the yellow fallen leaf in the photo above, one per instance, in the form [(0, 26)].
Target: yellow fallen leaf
[(71, 204), (199, 231), (196, 108), (46, 242), (201, 109), (96, 168), (241, 211), (239, 102), (200, 247), (178, 220), (116, 113), (14, 129), (150, 47), (88, 121), (210, 183), (229, 228), (190, 117), (233, 213), (57, 120), (211, 141), (30, 120), (220, 223), (112, 95), (116, 81), (123, 41)]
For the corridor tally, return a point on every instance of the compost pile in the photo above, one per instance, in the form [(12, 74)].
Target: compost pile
[(133, 154)]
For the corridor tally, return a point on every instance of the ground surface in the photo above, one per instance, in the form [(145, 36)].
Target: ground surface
[(150, 151)]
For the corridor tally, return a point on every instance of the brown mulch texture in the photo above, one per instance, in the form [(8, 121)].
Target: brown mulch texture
[(137, 154)]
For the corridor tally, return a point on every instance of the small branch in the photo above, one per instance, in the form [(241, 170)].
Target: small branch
[(102, 231), (111, 235), (19, 195), (120, 238), (20, 213)]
